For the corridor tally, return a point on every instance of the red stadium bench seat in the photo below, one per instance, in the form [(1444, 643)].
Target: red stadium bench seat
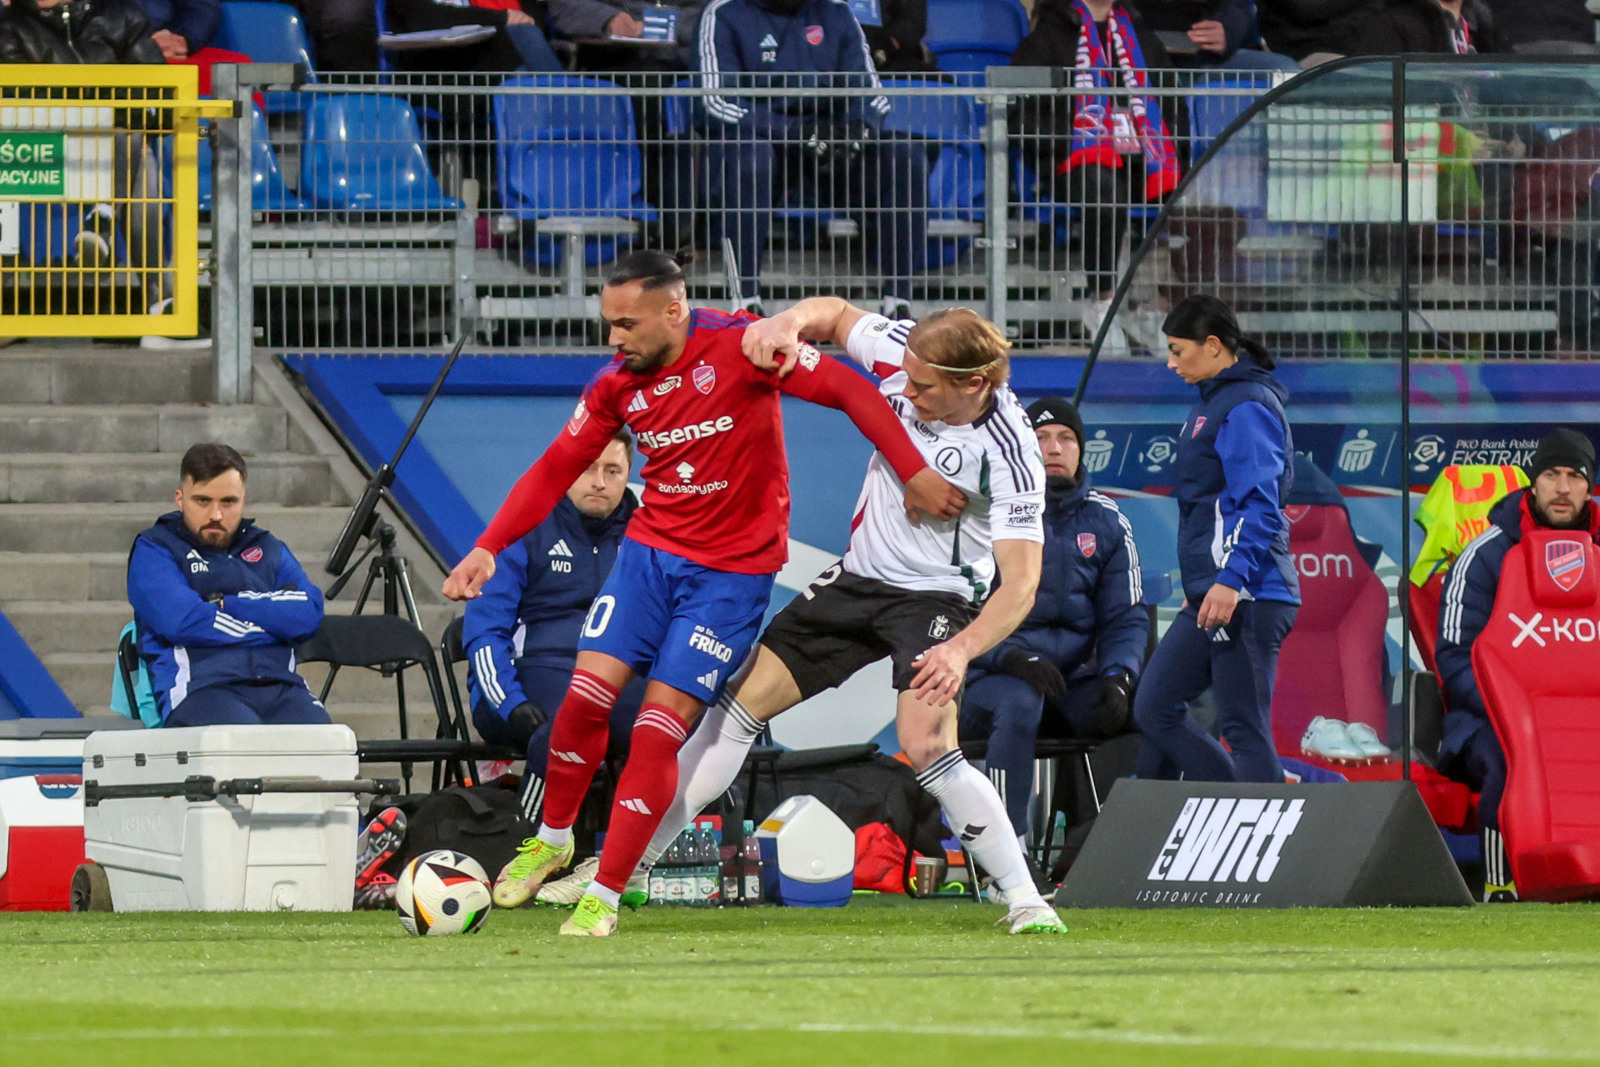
[(1331, 664), (1425, 617), (1537, 667)]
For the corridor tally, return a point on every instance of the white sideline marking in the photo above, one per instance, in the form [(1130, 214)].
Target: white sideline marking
[(1110, 1036)]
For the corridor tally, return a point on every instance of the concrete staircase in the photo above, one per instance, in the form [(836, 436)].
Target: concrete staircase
[(90, 440)]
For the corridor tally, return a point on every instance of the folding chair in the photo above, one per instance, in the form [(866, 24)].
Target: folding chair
[(393, 645)]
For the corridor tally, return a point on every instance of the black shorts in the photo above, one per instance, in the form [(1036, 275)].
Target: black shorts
[(841, 622)]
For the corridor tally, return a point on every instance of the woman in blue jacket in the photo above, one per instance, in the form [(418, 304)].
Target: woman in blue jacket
[(1239, 585)]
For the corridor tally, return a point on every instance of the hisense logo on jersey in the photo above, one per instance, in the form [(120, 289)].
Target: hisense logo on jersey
[(684, 434), (1221, 839)]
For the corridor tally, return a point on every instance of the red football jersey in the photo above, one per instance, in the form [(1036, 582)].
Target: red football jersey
[(711, 429)]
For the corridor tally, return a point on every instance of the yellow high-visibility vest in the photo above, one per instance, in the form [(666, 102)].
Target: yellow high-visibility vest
[(1456, 510)]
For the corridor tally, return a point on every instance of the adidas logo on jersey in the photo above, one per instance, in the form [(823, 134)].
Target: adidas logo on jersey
[(639, 403), (199, 564), (560, 549), (634, 804), (567, 757), (769, 41), (709, 680)]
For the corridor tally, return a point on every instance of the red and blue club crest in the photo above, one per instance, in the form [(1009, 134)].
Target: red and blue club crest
[(251, 555), (1198, 424), (705, 378), (1565, 562), (814, 35), (1086, 545)]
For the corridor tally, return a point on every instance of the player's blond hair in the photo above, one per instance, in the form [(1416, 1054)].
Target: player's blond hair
[(960, 343)]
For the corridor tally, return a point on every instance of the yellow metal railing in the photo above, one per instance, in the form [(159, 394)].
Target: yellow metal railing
[(99, 206)]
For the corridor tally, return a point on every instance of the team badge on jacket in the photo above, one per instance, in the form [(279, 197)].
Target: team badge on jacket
[(940, 628), (251, 555), (1199, 424), (814, 35), (1086, 545), (705, 378), (1564, 560)]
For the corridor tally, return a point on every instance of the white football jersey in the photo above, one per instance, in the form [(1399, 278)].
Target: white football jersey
[(995, 461)]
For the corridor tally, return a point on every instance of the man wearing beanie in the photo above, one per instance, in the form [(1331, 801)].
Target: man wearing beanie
[(1562, 473), (1073, 662)]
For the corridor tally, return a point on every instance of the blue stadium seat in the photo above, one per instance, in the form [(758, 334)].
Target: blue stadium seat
[(571, 156), (956, 181), (267, 33), (364, 153), (269, 192), (969, 35)]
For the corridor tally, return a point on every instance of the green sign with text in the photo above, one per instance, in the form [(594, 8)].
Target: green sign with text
[(32, 164)]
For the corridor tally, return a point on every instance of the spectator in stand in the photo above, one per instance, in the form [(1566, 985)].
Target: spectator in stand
[(1562, 471), (220, 604), (1072, 664), (107, 31), (344, 33), (520, 44), (1103, 151), (1217, 32), (521, 635), (1433, 27), (1310, 31), (825, 151), (896, 42), (1544, 26), (182, 27)]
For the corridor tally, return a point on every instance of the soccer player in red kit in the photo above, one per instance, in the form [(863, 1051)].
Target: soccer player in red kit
[(693, 577)]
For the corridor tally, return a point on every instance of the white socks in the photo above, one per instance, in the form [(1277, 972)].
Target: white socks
[(707, 765), (558, 838), (978, 816)]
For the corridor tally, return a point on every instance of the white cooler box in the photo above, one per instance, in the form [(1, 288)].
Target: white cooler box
[(267, 852)]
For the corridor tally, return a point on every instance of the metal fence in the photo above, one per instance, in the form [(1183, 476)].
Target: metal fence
[(98, 174), (396, 211)]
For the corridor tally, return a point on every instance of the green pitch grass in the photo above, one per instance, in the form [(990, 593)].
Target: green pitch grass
[(881, 982)]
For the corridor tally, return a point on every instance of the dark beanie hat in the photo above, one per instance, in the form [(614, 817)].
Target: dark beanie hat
[(1563, 448), (1057, 410)]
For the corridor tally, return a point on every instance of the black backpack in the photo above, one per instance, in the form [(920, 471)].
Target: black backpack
[(482, 821)]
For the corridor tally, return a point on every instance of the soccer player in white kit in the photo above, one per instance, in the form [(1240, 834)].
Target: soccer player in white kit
[(922, 593)]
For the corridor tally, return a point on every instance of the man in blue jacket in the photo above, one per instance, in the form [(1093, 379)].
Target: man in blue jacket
[(521, 634), (182, 27), (220, 604), (807, 150), (1078, 654), (1562, 472)]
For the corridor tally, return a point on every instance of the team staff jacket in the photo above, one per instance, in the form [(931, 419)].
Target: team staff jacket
[(1233, 475), (1088, 605), (189, 642), (1464, 610), (739, 38), (710, 426), (531, 611)]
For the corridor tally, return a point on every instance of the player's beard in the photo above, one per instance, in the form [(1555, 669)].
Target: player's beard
[(645, 362)]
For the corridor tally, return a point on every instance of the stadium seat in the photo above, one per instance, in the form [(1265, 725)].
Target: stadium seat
[(570, 164), (971, 35), (364, 153), (956, 181), (267, 33), (1332, 662), (1540, 679), (268, 189), (1424, 603)]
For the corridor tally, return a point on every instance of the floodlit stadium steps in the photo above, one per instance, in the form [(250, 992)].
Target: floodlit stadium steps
[(62, 477), (90, 441), (140, 428), (50, 373)]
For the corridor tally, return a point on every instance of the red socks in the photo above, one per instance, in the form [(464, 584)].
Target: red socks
[(577, 745), (644, 792)]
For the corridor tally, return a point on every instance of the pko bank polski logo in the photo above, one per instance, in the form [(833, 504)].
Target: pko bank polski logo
[(1221, 839), (1356, 455)]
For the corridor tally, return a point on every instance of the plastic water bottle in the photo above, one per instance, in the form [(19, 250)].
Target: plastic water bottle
[(751, 857)]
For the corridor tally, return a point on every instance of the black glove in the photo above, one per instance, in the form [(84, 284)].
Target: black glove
[(523, 720), (1038, 672), (216, 598), (1113, 703), (837, 143)]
